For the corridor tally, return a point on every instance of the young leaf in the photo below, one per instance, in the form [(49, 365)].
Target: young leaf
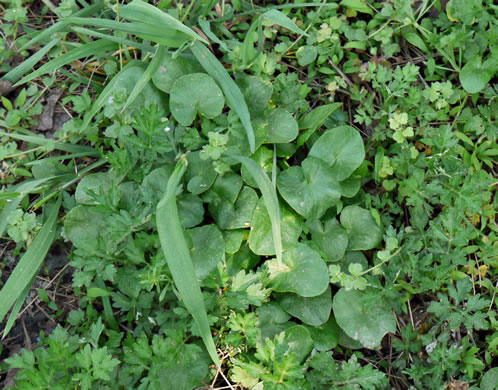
[(177, 255), (29, 264), (232, 92)]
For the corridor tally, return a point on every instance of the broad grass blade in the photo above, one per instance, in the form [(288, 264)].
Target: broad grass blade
[(17, 308), (22, 189), (146, 76), (146, 13), (171, 236), (231, 90), (104, 95), (88, 50), (26, 66), (29, 264), (269, 196), (277, 17), (61, 25)]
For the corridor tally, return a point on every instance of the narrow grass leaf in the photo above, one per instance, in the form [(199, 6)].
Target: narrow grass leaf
[(269, 196), (104, 96), (29, 264), (61, 25), (146, 13), (17, 308), (65, 147), (171, 236), (122, 41), (277, 17), (88, 50), (206, 29), (26, 66), (146, 76), (232, 92), (22, 189)]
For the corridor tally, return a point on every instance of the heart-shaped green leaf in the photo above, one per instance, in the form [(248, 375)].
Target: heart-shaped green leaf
[(330, 237), (364, 317), (200, 175), (312, 311), (341, 148), (475, 74), (325, 336), (235, 216), (257, 92), (261, 236), (272, 320), (363, 232), (299, 341), (171, 69), (281, 127), (310, 189), (195, 93), (302, 271), (207, 249)]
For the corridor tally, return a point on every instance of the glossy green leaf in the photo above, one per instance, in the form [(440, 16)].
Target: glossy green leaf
[(171, 69), (313, 311), (277, 17), (330, 237), (299, 341), (357, 5), (476, 74), (195, 93), (174, 246), (362, 230), (310, 189), (272, 320), (235, 216), (207, 250), (261, 235), (257, 92), (363, 316), (281, 127), (342, 148), (302, 271), (325, 336)]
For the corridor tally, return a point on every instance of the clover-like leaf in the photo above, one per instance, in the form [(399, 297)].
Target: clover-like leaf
[(312, 311), (195, 93), (200, 175), (476, 74), (272, 320), (261, 236), (342, 148), (257, 92), (207, 250), (310, 189), (302, 271), (363, 316), (363, 232)]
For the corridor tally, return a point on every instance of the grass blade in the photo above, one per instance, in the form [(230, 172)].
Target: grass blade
[(146, 76), (231, 90), (269, 196), (61, 25), (29, 264), (20, 70), (178, 257), (87, 50), (277, 17), (17, 308), (105, 94), (140, 11), (22, 190)]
